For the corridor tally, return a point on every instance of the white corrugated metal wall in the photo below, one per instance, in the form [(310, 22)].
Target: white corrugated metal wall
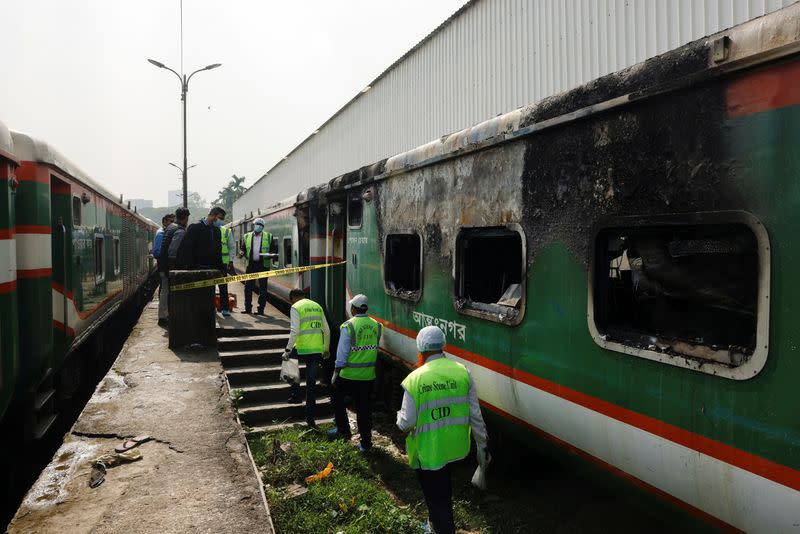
[(495, 56)]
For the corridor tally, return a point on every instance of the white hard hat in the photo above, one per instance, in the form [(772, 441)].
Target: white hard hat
[(259, 221), (430, 338), (359, 301)]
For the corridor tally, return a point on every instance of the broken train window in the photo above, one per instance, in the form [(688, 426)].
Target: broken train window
[(355, 210), (490, 265), (403, 265), (688, 290)]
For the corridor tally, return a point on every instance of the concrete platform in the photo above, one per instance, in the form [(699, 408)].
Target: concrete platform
[(272, 317), (197, 474)]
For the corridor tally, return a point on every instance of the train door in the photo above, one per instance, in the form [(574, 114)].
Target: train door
[(61, 247), (302, 240), (336, 244)]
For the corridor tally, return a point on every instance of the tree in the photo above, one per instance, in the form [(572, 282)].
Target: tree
[(230, 194)]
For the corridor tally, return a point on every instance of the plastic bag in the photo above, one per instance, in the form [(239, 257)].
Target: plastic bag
[(290, 371), (479, 478)]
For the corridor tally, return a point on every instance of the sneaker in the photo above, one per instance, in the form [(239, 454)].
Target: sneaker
[(260, 311), (311, 423), (294, 400), (363, 450), (334, 433), (247, 311), (226, 313)]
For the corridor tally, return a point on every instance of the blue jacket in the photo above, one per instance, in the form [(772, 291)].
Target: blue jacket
[(157, 242)]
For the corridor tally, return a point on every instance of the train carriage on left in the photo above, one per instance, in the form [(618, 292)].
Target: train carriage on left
[(73, 256)]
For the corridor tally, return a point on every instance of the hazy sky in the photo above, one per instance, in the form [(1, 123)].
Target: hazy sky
[(75, 74)]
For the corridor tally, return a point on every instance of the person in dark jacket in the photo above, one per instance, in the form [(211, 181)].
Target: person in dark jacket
[(166, 260), (201, 247)]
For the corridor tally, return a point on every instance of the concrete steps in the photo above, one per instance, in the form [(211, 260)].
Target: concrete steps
[(251, 359)]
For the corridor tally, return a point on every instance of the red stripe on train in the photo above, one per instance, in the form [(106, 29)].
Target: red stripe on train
[(8, 287), (34, 273), (758, 465), (777, 87), (33, 229), (60, 327)]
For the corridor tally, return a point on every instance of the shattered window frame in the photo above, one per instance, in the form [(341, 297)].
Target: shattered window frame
[(495, 312), (750, 366), (412, 296)]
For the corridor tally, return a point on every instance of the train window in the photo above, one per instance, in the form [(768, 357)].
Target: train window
[(691, 294), (116, 255), (99, 258), (490, 268), (287, 251), (355, 210), (403, 265), (77, 205)]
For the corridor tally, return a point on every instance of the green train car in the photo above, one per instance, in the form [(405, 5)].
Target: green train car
[(71, 256), (614, 264)]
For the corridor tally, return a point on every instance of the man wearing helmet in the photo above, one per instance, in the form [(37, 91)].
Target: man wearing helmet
[(440, 407), (255, 249)]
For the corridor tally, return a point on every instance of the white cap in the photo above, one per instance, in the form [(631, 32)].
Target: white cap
[(259, 221), (430, 338), (359, 301)]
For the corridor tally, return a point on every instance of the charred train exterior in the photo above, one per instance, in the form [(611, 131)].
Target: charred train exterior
[(615, 265)]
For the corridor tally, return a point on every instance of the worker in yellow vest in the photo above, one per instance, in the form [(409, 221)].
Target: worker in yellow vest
[(256, 250), (228, 247), (354, 374), (440, 407), (309, 336)]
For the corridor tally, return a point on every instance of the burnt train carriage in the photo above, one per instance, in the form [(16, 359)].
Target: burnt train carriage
[(666, 193), (78, 255)]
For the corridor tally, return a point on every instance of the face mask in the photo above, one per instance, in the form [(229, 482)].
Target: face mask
[(218, 223), (259, 228)]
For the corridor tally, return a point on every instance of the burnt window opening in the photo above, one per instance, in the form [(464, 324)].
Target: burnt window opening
[(287, 251), (403, 265), (489, 272), (355, 211), (99, 259), (77, 205), (689, 290)]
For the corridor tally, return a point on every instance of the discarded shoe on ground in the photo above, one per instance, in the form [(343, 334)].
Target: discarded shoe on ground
[(109, 460)]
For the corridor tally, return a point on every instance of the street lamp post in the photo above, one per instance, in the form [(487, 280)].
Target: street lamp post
[(184, 89)]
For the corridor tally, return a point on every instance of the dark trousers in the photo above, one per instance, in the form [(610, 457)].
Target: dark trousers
[(223, 293), (223, 296), (312, 362), (359, 391), (438, 490), (249, 286)]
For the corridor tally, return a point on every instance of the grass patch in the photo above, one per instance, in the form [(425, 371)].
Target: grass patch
[(351, 500)]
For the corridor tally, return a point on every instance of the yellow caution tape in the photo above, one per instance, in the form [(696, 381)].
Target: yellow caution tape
[(250, 276)]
